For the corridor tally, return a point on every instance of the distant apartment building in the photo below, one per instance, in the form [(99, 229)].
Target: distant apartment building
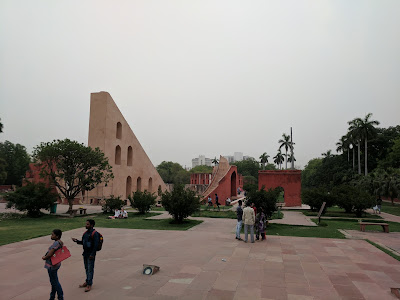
[(237, 156), (201, 161)]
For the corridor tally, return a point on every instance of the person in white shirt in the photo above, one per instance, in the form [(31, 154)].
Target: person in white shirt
[(123, 214), (116, 214)]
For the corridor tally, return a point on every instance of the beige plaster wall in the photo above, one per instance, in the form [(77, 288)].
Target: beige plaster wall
[(104, 116)]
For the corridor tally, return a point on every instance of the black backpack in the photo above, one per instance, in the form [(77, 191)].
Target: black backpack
[(101, 240)]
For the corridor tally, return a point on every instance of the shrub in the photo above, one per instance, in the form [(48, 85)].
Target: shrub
[(180, 203), (314, 197), (265, 199), (142, 201), (353, 199), (31, 198), (112, 204)]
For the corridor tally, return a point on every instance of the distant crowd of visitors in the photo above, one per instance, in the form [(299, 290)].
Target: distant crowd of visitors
[(251, 220)]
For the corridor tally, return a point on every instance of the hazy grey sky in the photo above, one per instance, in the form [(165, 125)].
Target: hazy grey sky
[(200, 77)]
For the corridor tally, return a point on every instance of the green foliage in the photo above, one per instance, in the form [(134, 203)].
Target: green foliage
[(270, 167), (353, 199), (265, 199), (31, 198), (73, 167), (142, 201), (393, 157), (173, 173), (3, 172), (180, 203), (388, 183), (112, 204), (201, 169), (314, 197), (17, 162), (248, 167)]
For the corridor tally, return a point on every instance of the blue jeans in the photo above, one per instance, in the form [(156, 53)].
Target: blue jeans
[(238, 228), (89, 268), (55, 285), (246, 231)]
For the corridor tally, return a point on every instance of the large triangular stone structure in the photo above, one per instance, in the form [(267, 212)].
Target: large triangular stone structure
[(131, 166)]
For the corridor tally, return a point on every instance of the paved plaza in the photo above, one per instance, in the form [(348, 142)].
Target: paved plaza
[(205, 262)]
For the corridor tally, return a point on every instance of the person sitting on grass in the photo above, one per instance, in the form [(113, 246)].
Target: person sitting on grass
[(116, 215), (123, 214)]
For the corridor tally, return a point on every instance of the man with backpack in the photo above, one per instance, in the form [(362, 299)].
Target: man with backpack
[(92, 241)]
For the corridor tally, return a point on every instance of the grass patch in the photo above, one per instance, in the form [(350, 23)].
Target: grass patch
[(338, 212), (387, 207), (24, 228), (395, 256)]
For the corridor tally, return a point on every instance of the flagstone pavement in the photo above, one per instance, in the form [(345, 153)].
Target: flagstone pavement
[(206, 262)]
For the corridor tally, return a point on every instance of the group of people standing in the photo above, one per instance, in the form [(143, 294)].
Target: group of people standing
[(250, 219), (90, 241)]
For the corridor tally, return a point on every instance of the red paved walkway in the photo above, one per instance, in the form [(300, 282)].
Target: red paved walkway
[(192, 267)]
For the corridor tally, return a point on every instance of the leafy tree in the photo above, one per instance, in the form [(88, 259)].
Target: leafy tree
[(173, 173), (201, 169), (270, 167), (393, 157), (264, 159), (309, 174), (248, 167), (73, 167), (315, 197), (3, 172), (381, 145), (17, 162), (142, 201), (112, 203), (265, 199), (31, 198), (285, 142), (180, 203), (389, 184), (328, 154), (355, 132)]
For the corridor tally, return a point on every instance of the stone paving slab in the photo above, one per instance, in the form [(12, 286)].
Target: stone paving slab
[(192, 267)]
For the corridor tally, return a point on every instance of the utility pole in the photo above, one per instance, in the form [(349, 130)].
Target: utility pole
[(291, 146)]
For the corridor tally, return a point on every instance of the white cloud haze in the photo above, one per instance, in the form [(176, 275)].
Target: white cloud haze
[(200, 77)]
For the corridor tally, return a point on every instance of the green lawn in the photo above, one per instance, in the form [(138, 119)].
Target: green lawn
[(387, 207), (24, 228), (339, 213), (328, 231)]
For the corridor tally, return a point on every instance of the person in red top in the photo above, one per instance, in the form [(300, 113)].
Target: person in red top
[(255, 208)]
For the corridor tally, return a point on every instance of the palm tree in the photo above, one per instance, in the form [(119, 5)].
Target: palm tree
[(1, 127), (355, 132), (285, 142), (367, 130), (389, 184), (215, 161), (327, 154), (291, 158), (264, 159), (278, 159), (343, 146)]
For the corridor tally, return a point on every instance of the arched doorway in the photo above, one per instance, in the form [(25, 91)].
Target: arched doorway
[(128, 186), (118, 155), (150, 186), (233, 185)]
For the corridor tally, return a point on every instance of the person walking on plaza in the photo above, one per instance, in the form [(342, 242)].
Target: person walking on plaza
[(261, 220), (239, 214), (216, 201), (248, 219), (53, 269), (90, 241)]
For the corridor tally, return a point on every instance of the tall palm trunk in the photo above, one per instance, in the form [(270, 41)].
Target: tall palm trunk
[(286, 159), (359, 157), (354, 159), (366, 157)]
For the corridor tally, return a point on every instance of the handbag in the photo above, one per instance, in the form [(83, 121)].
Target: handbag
[(60, 255)]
